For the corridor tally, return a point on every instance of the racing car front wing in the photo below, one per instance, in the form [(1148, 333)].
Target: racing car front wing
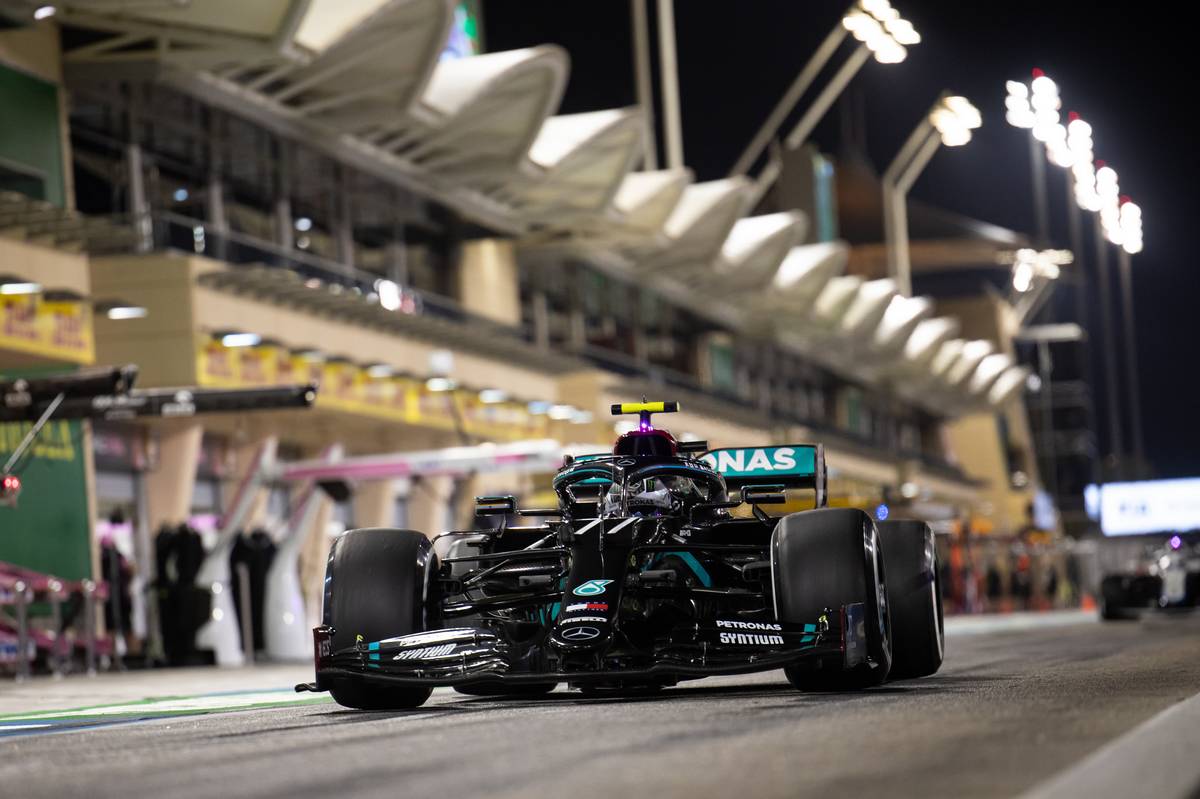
[(470, 656)]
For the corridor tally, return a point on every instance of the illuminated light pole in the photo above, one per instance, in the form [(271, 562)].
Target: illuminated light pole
[(948, 123), (645, 94), (879, 29), (672, 119), (1095, 188), (1105, 200), (1033, 274), (1035, 107), (1130, 221)]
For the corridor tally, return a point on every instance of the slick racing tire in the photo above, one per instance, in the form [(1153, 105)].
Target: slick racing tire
[(376, 585), (915, 597), (830, 558)]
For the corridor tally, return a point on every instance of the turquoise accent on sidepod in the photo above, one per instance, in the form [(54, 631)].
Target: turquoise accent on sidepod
[(693, 564)]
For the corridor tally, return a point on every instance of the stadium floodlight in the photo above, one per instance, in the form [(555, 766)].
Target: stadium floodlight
[(1018, 111), (1030, 265), (1035, 106), (879, 29), (1108, 189), (949, 122), (1033, 276), (1083, 167), (1045, 102), (1131, 227), (954, 118)]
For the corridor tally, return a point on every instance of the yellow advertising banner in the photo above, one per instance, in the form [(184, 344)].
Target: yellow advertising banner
[(350, 388), (55, 330)]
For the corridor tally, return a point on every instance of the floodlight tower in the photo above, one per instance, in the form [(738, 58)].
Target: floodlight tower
[(949, 122), (879, 30), (1095, 188)]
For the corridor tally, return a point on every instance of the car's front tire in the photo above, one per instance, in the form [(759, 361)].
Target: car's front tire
[(376, 586), (830, 558)]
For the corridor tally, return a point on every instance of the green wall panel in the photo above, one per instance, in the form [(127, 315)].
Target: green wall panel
[(29, 129), (48, 529)]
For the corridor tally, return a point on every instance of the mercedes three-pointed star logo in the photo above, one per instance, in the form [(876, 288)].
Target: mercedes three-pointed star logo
[(580, 633)]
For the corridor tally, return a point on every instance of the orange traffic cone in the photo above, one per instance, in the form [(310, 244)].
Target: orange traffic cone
[(1087, 603)]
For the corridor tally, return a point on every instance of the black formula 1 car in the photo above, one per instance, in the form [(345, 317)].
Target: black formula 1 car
[(1167, 578), (640, 578)]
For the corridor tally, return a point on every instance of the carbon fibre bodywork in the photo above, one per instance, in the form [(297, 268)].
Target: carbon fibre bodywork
[(613, 599), (601, 601)]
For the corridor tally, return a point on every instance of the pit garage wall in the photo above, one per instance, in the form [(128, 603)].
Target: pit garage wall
[(978, 447), (488, 282)]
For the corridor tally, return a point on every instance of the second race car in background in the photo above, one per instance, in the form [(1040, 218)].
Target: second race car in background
[(1167, 578)]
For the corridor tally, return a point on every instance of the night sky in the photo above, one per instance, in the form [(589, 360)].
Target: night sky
[(1125, 69)]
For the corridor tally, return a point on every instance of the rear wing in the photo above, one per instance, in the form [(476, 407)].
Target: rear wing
[(790, 465)]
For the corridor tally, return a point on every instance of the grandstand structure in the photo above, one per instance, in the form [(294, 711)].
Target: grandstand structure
[(357, 193)]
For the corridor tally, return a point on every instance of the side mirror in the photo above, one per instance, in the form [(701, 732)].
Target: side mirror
[(495, 506), (764, 495)]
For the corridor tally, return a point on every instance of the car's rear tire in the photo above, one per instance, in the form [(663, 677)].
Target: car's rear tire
[(830, 558), (915, 598), (376, 585)]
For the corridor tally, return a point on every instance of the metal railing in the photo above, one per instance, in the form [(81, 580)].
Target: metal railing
[(171, 231), (22, 593)]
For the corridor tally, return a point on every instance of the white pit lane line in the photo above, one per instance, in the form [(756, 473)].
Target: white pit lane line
[(1156, 758), (987, 623)]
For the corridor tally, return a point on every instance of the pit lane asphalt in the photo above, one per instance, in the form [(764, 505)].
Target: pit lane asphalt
[(1008, 711)]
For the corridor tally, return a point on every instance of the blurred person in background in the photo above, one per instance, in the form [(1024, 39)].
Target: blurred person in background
[(117, 571), (995, 583)]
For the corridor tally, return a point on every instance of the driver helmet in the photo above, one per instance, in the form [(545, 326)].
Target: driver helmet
[(655, 496)]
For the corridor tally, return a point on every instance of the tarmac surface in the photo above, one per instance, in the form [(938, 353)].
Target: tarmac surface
[(1011, 710)]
